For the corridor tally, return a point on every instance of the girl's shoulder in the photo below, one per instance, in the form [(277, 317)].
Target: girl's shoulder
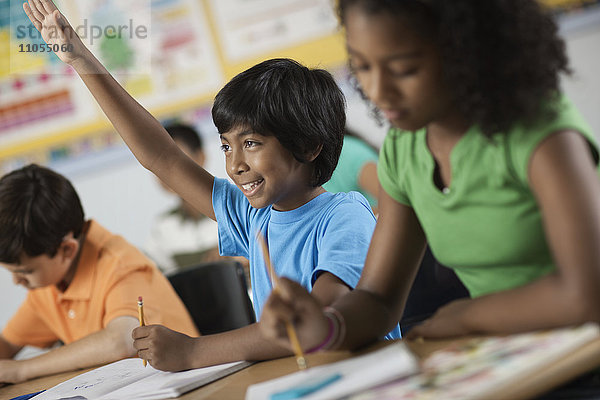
[(521, 141)]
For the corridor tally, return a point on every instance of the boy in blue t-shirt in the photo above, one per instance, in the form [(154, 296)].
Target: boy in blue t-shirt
[(281, 127)]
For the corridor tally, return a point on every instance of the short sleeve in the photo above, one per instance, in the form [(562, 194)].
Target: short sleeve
[(389, 168), (120, 298), (26, 328), (233, 213), (522, 142), (345, 240)]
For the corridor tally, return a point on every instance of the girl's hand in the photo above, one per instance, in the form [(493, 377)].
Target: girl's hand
[(55, 30), (446, 322), (292, 303)]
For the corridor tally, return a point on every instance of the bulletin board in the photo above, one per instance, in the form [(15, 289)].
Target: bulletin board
[(194, 48)]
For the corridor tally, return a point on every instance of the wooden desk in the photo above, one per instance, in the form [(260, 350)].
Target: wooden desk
[(234, 386)]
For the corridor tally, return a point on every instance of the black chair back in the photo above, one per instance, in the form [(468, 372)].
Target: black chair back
[(216, 295)]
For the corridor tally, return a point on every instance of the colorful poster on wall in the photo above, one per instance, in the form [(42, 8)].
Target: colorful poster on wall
[(171, 57), (161, 51), (248, 28), (37, 91)]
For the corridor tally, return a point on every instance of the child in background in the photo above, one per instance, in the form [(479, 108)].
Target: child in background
[(183, 235), (486, 161), (83, 281), (281, 127), (356, 169)]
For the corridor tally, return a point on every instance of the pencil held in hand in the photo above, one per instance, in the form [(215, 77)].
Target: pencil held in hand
[(141, 317), (300, 360)]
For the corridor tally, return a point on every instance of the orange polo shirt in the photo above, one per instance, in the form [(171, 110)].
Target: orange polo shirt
[(110, 276)]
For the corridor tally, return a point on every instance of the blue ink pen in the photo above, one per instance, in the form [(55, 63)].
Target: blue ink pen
[(304, 389)]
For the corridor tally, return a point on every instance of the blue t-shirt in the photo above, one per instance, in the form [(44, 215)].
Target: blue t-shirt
[(330, 233)]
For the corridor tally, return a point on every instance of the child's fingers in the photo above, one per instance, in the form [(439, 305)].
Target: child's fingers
[(291, 291), (275, 315), (47, 5), (39, 8), (62, 23), (279, 308), (35, 12), (140, 332), (32, 18)]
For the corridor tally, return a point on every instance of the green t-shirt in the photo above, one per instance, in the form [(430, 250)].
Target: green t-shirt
[(487, 226), (355, 154)]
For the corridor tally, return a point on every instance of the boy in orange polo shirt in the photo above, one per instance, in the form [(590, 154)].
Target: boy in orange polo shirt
[(83, 281)]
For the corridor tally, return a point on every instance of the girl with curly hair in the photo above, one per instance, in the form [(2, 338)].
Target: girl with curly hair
[(486, 161)]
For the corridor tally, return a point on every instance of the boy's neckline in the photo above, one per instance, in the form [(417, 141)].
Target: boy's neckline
[(300, 213), (316, 193)]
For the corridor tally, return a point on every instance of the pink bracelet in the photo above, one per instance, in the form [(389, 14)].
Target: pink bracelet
[(341, 327), (328, 339)]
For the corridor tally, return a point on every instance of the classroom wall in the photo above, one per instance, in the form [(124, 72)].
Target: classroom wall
[(125, 197)]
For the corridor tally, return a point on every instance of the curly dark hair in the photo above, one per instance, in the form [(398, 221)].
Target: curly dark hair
[(302, 107), (502, 58)]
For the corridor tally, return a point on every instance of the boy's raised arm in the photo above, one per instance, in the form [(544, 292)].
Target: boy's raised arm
[(147, 139)]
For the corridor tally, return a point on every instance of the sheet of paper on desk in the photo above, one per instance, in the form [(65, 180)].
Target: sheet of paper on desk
[(358, 373), (128, 379)]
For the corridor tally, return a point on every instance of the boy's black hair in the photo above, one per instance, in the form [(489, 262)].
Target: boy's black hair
[(303, 108), (38, 207), (501, 58), (186, 133)]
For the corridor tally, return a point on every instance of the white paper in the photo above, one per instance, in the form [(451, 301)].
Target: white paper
[(358, 373), (129, 379)]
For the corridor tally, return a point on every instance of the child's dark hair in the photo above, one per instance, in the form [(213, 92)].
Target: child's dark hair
[(303, 108), (501, 58), (38, 207), (186, 133)]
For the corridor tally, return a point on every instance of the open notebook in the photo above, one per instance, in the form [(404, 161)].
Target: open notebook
[(128, 379)]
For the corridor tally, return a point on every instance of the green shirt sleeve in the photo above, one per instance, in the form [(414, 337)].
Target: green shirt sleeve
[(391, 165), (523, 141)]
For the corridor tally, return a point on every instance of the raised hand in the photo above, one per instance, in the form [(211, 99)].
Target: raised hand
[(291, 302), (55, 29)]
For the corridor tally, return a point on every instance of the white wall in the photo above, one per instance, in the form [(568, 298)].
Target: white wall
[(125, 197), (583, 88)]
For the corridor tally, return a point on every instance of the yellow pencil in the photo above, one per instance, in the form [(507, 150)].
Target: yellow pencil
[(300, 360), (141, 318)]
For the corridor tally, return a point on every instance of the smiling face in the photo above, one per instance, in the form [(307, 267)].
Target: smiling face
[(396, 68), (265, 171)]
